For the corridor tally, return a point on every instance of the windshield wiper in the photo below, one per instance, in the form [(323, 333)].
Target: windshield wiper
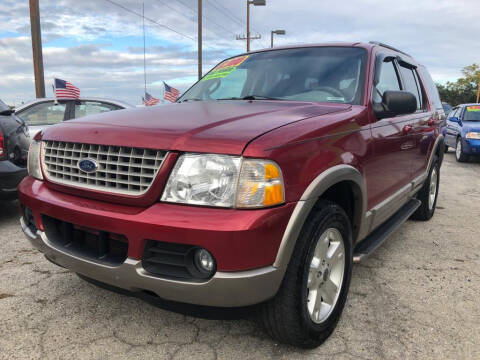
[(251, 97), (192, 99)]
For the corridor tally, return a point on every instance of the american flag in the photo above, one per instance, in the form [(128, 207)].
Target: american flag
[(171, 94), (149, 100), (65, 89)]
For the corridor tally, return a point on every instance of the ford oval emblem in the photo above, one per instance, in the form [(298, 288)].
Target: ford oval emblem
[(88, 165)]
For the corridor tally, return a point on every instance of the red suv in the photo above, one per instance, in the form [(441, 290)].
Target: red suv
[(263, 184)]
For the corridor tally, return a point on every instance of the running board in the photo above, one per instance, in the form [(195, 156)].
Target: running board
[(380, 234)]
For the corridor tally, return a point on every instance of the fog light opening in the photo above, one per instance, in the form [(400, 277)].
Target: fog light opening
[(204, 262)]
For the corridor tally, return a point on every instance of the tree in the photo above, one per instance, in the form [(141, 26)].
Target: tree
[(463, 90)]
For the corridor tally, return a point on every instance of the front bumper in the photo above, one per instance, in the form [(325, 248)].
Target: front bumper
[(471, 146), (225, 289), (10, 176), (244, 244)]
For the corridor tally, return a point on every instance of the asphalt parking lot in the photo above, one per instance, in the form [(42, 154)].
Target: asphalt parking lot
[(417, 297)]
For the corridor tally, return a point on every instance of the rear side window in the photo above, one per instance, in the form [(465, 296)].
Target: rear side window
[(454, 113), (45, 113), (387, 81), (410, 84), (85, 108), (431, 88)]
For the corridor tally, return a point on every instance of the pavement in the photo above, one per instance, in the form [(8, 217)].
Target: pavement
[(416, 297)]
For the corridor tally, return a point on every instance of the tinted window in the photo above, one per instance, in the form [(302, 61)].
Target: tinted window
[(388, 80), (85, 108), (46, 113), (447, 108), (431, 88), (324, 74), (410, 84), (453, 113), (472, 113)]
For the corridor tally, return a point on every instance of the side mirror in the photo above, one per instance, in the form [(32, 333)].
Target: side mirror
[(455, 120), (396, 103)]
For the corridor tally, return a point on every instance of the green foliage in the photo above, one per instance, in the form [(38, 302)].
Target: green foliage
[(464, 90)]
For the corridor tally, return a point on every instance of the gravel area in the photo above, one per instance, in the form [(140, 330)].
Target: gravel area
[(417, 297)]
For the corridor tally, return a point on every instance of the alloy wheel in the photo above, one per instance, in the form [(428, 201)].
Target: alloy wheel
[(433, 188), (458, 150), (326, 273)]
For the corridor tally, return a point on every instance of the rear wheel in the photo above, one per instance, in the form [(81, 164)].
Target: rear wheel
[(428, 194), (312, 296), (459, 154)]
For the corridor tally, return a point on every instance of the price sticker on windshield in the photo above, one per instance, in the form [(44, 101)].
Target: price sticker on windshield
[(225, 68), (473, 108)]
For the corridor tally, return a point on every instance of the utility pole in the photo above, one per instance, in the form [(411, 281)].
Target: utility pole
[(37, 49), (248, 37), (248, 26), (199, 39), (144, 56)]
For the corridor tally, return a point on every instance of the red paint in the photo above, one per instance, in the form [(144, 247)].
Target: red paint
[(304, 138), (239, 239)]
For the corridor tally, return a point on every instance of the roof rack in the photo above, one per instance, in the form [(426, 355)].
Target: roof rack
[(388, 47)]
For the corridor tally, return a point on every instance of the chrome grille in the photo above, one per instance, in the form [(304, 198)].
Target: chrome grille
[(121, 170)]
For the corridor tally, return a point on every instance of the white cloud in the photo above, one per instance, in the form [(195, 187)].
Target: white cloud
[(438, 33)]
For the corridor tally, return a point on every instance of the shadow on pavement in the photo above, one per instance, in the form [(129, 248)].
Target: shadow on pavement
[(9, 212), (204, 312)]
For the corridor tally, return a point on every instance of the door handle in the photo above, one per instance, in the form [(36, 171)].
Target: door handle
[(407, 129)]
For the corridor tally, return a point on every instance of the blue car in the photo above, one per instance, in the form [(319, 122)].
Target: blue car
[(462, 131)]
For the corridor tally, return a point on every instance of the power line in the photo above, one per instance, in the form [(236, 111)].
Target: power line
[(151, 20), (179, 12), (164, 26), (219, 7), (205, 17), (227, 12)]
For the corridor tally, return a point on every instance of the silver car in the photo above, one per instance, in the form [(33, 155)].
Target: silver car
[(41, 113)]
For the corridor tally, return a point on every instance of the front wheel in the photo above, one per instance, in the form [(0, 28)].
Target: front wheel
[(459, 154), (312, 296)]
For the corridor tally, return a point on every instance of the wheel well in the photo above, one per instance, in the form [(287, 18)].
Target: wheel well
[(440, 151), (348, 196)]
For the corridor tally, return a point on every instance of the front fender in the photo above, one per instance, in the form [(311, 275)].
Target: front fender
[(314, 191)]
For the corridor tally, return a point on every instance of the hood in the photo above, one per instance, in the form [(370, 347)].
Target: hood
[(211, 126), (471, 126)]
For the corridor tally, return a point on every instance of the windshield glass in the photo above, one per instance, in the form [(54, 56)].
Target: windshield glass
[(472, 113), (324, 74)]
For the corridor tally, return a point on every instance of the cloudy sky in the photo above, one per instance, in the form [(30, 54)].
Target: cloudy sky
[(98, 45)]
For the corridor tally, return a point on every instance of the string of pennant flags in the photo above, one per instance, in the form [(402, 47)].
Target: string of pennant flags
[(65, 89)]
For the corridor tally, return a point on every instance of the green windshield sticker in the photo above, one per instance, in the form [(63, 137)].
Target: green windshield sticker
[(473, 108), (225, 68)]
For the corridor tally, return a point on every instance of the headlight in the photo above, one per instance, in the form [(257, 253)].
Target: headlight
[(224, 181), (473, 135), (203, 180), (33, 162)]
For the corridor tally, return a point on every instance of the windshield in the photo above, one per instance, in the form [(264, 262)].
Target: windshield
[(472, 113), (324, 74)]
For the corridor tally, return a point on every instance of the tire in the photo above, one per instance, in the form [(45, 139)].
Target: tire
[(459, 154), (429, 201), (287, 317)]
